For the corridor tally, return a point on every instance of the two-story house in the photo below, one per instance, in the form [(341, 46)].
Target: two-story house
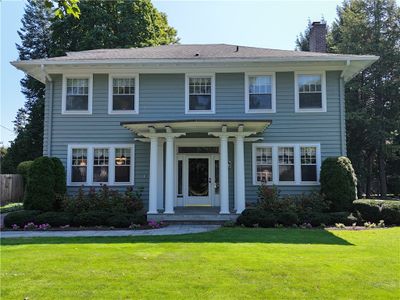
[(195, 125)]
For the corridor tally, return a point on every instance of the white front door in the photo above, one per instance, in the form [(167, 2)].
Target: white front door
[(197, 180)]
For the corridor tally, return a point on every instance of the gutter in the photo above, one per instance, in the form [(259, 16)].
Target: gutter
[(50, 111)]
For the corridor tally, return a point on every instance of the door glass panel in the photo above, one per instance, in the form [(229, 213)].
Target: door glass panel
[(198, 177), (216, 177), (180, 177)]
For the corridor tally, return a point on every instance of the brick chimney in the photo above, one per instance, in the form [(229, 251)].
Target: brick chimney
[(318, 37)]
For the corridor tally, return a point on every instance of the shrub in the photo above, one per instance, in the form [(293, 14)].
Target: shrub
[(338, 182), (39, 193), (255, 216), (20, 218), (11, 207), (267, 197), (125, 220), (288, 218), (342, 217), (376, 210), (60, 187), (55, 219), (92, 218), (316, 218), (23, 169)]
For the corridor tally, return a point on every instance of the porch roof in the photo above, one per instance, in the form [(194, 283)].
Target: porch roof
[(196, 126)]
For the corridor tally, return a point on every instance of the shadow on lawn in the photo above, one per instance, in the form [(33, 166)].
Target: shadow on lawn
[(223, 235)]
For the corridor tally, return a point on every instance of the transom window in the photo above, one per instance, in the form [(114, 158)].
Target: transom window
[(200, 94), (260, 93), (310, 94), (308, 163), (95, 164), (286, 164), (77, 94), (264, 164), (123, 94)]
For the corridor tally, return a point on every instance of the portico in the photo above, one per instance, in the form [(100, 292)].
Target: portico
[(196, 163)]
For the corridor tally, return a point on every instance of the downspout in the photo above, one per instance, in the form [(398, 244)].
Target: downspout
[(342, 111), (49, 82)]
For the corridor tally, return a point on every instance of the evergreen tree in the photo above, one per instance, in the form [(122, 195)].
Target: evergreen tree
[(303, 39), (28, 124)]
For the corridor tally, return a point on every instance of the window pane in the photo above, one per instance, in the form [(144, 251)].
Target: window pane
[(260, 101), (100, 173), (79, 165), (122, 174), (310, 100), (180, 176), (100, 165), (123, 86), (264, 173), (200, 86), (77, 103), (286, 173), (286, 155), (77, 86), (309, 173), (78, 174), (123, 102), (198, 150), (200, 102)]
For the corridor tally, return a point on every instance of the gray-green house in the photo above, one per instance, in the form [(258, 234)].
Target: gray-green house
[(195, 125)]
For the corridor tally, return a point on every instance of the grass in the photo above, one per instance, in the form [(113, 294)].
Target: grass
[(11, 207), (230, 263)]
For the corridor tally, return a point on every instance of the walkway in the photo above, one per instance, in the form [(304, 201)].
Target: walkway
[(169, 230)]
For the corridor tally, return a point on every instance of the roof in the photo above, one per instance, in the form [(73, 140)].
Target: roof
[(177, 53)]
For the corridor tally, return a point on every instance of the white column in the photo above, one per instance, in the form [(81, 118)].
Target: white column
[(169, 176), (153, 175), (240, 199), (223, 175)]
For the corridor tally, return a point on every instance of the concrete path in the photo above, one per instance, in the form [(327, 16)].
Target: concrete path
[(169, 230)]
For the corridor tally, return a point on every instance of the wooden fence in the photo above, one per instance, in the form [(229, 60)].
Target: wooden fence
[(11, 188)]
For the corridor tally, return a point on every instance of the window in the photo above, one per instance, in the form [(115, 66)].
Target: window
[(308, 164), (260, 93), (79, 165), (310, 92), (286, 163), (77, 95), (200, 94), (122, 164), (123, 94), (100, 164), (264, 164)]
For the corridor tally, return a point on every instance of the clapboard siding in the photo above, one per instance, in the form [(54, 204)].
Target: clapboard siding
[(161, 96)]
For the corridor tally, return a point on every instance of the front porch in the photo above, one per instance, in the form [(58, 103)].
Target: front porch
[(190, 168)]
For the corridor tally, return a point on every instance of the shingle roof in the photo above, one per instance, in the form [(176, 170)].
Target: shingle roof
[(204, 51)]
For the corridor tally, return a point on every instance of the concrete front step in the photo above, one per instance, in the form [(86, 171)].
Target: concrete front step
[(192, 218)]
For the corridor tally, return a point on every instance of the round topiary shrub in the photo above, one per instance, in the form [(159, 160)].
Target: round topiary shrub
[(23, 169), (39, 193), (91, 218), (21, 217), (288, 218), (338, 182), (60, 187), (55, 219)]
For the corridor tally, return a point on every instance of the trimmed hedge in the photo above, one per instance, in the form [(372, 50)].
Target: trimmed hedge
[(338, 182), (60, 187), (23, 169), (55, 219), (251, 217), (376, 210), (288, 218), (125, 220), (316, 218), (39, 194), (20, 218), (91, 218)]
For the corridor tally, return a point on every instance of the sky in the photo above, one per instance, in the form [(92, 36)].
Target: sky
[(269, 24)]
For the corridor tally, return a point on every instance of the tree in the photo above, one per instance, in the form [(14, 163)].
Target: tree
[(28, 124), (372, 97), (112, 24), (303, 39), (61, 8)]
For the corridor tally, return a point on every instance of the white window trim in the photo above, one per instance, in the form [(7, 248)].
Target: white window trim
[(64, 110), (111, 76), (323, 91), (275, 163), (247, 94), (199, 112), (111, 164)]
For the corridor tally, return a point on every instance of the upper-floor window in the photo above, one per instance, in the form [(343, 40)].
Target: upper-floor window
[(77, 94), (310, 92), (260, 93), (200, 94), (123, 94)]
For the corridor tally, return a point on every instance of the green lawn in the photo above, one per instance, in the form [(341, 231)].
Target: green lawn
[(230, 263)]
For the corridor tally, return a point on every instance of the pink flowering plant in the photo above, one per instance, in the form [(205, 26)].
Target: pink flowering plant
[(43, 226), (30, 226), (15, 227), (155, 224)]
